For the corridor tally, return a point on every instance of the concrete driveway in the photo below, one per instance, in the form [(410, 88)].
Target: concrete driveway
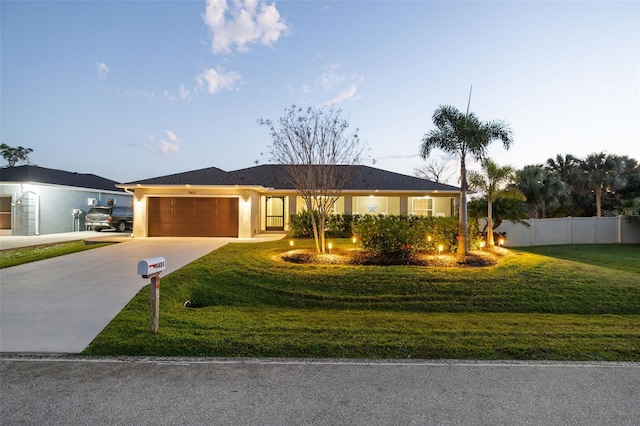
[(60, 305)]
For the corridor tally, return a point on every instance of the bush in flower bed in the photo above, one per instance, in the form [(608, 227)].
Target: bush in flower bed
[(403, 236), (392, 236), (337, 226)]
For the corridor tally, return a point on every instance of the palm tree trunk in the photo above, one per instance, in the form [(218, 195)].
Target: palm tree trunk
[(599, 201), (490, 241), (463, 244)]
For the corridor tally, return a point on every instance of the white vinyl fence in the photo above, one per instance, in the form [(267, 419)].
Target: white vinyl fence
[(570, 230)]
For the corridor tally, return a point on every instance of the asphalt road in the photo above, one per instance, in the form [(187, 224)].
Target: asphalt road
[(65, 391)]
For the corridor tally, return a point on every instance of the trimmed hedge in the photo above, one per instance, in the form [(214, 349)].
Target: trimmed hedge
[(390, 235)]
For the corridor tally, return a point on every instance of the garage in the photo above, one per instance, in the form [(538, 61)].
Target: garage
[(193, 217)]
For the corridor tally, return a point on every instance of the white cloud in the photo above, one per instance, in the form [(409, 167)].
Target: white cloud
[(103, 70), (185, 94), (243, 23), (348, 95), (169, 97), (329, 79), (171, 144), (217, 80), (148, 146)]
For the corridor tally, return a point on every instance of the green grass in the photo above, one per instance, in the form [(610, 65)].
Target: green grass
[(24, 255), (250, 303), (624, 257)]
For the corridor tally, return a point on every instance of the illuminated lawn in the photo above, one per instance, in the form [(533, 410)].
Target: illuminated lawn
[(248, 302)]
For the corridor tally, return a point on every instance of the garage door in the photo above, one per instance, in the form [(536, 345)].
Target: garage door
[(193, 217)]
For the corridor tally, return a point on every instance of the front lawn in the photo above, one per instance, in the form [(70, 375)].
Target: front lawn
[(20, 256), (246, 301)]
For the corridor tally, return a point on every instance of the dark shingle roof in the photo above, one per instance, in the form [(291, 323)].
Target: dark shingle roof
[(276, 176), (360, 178), (36, 174), (208, 176)]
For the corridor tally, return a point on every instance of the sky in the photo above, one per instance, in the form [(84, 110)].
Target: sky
[(130, 90)]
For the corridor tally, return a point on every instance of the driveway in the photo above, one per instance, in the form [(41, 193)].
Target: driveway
[(60, 305)]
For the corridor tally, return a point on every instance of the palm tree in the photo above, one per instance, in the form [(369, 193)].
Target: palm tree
[(567, 168), (462, 135), (541, 187), (509, 209), (493, 182), (603, 172)]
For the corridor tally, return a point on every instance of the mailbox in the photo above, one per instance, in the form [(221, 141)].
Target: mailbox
[(150, 267)]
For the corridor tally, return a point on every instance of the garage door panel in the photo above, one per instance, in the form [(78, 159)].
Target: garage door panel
[(193, 217)]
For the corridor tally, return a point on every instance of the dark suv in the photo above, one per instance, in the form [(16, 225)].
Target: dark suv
[(103, 217)]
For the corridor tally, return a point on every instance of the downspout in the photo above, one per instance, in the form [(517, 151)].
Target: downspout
[(128, 191), (28, 191)]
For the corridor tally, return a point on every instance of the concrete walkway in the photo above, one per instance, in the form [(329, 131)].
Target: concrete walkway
[(60, 305)]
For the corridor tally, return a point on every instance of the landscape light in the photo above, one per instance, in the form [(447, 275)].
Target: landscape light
[(440, 248), (291, 243), (428, 237), (330, 247), (354, 239), (501, 242), (482, 243)]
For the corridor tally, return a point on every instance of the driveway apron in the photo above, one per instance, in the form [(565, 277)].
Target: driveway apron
[(60, 305)]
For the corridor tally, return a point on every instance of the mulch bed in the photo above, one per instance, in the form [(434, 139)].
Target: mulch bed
[(487, 257)]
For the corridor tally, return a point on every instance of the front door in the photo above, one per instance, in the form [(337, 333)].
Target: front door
[(274, 212)]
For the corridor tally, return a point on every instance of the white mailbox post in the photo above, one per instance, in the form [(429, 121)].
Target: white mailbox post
[(151, 268)]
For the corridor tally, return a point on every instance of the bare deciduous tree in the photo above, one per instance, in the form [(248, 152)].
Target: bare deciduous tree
[(434, 170), (319, 151)]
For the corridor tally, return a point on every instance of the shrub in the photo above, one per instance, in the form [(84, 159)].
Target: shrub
[(300, 224), (402, 236), (337, 226), (340, 225)]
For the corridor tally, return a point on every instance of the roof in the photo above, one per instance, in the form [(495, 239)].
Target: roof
[(208, 176), (276, 176), (36, 174), (360, 178)]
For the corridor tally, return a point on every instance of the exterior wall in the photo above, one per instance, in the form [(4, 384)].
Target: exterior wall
[(570, 230), (47, 209), (381, 204), (248, 202)]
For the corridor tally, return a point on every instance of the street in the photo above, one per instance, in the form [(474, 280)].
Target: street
[(61, 389)]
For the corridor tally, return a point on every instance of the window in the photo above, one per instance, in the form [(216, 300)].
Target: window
[(422, 206)]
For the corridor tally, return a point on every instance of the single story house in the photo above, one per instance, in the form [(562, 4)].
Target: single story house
[(37, 200), (247, 202)]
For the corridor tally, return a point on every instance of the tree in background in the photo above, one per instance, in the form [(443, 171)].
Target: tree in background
[(15, 155), (627, 199), (542, 189), (434, 170), (317, 149), (509, 209), (462, 135), (603, 172), (494, 182)]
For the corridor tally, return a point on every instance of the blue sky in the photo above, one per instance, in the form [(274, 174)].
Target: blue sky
[(132, 90)]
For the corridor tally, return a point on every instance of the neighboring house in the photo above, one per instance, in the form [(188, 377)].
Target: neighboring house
[(36, 200), (245, 203)]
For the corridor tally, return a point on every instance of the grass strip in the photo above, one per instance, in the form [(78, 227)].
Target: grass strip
[(24, 255)]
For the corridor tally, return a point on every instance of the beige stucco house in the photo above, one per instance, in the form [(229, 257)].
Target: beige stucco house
[(245, 203)]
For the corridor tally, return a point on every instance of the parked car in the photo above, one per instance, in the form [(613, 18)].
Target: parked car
[(103, 217)]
